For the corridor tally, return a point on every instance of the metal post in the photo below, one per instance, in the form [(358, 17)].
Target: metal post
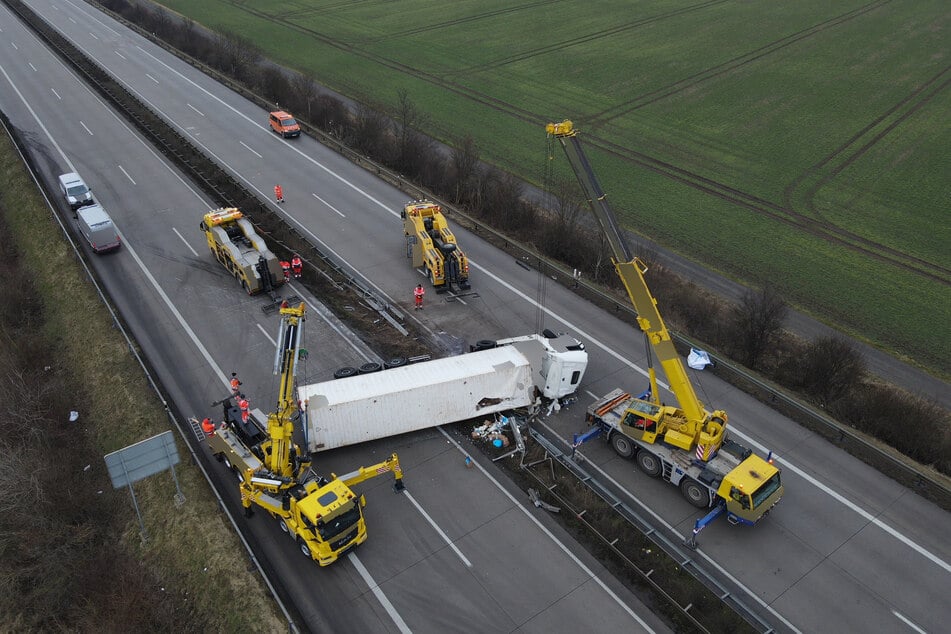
[(179, 496), (135, 502)]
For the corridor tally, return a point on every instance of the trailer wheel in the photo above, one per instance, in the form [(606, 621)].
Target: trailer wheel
[(395, 362), (343, 373), (695, 493), (649, 463), (622, 445), (304, 548), (485, 344), (368, 368)]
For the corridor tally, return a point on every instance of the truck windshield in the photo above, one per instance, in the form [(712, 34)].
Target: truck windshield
[(768, 488), (339, 523)]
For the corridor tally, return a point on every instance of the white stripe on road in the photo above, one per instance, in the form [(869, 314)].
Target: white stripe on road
[(331, 207), (248, 148), (185, 241), (435, 526), (195, 109), (265, 333), (121, 169), (397, 619)]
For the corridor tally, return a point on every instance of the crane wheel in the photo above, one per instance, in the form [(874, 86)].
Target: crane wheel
[(649, 463), (695, 493), (623, 446), (283, 526), (304, 548)]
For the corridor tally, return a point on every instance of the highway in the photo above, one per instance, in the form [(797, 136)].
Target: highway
[(847, 550)]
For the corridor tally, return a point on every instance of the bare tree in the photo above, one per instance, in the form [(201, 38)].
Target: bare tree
[(465, 167), (757, 321), (829, 369)]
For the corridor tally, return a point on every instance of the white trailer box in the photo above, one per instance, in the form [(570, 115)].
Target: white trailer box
[(366, 407)]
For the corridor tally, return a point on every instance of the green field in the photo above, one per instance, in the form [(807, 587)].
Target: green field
[(805, 143)]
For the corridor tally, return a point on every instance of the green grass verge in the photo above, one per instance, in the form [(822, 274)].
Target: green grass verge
[(829, 110), (190, 548)]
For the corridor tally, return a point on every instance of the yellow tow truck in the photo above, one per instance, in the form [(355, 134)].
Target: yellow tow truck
[(432, 246), (687, 445), (237, 246), (323, 515)]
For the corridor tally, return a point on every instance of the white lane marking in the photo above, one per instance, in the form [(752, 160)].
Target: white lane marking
[(378, 593), (909, 623), (121, 169), (152, 78), (121, 55), (921, 550), (670, 528), (182, 238), (549, 534), (32, 66), (93, 17), (248, 148), (92, 34), (435, 526), (53, 90), (14, 45), (86, 128), (269, 337), (331, 207), (531, 301), (808, 478), (195, 109)]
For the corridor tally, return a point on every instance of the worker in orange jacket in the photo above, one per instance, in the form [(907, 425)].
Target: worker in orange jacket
[(279, 193), (286, 269), (245, 408), (208, 427), (418, 293), (235, 384), (297, 266)]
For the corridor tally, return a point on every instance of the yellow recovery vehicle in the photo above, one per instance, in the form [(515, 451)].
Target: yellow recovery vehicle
[(687, 445), (324, 516), (234, 242), (432, 246)]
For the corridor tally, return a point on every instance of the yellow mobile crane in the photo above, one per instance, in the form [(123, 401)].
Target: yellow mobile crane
[(686, 445), (431, 245), (237, 246), (324, 516)]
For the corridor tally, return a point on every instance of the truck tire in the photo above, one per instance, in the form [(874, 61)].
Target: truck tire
[(695, 493), (623, 446), (369, 368), (484, 344), (395, 362), (649, 463), (284, 528), (343, 373), (304, 548)]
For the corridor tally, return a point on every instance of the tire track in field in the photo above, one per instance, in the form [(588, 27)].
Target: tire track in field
[(458, 21), (779, 213), (717, 189), (583, 39), (850, 151), (624, 108)]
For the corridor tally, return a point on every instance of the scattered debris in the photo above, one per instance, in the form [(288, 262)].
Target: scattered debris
[(87, 467), (537, 501), (73, 416)]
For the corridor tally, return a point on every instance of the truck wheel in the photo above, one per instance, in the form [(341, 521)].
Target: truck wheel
[(343, 373), (484, 344), (695, 493), (283, 526), (622, 445), (304, 548), (649, 463)]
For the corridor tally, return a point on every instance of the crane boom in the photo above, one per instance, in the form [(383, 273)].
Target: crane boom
[(692, 423), (280, 426)]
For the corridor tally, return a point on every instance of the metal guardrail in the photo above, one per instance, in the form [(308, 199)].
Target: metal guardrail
[(685, 559)]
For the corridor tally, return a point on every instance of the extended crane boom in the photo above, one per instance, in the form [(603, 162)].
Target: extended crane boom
[(685, 445), (324, 515), (693, 424)]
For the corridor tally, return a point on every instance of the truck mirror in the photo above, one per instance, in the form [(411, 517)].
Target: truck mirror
[(363, 500)]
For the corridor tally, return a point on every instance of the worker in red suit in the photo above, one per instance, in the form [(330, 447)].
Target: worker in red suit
[(297, 266), (418, 293)]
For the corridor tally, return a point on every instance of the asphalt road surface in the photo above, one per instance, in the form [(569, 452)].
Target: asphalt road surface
[(846, 550)]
